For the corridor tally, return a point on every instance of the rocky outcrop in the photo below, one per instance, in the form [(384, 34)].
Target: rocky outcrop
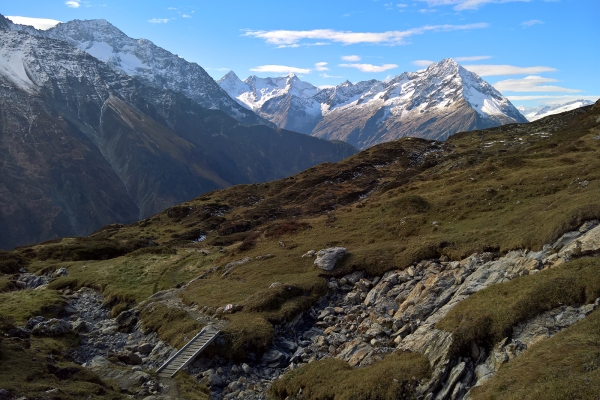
[(327, 258)]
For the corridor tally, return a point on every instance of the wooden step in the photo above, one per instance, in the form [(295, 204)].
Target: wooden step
[(188, 352)]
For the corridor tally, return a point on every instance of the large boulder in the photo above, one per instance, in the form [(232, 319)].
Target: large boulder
[(327, 258)]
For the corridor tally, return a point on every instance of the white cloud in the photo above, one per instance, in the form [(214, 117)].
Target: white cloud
[(466, 4), (158, 20), (280, 69), (392, 38), (186, 16), (549, 99), (325, 75), (401, 5), (370, 67), (73, 3), (352, 58), (530, 84), (422, 63), (531, 22), (321, 66), (37, 23), (496, 70), (472, 58)]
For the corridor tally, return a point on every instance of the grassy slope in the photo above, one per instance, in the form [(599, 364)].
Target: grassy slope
[(394, 377), (499, 189), (565, 366)]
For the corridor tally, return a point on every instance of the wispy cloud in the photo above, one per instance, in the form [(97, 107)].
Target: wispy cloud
[(73, 3), (280, 69), (466, 4), (158, 20), (352, 58), (531, 22), (472, 58), (370, 67), (497, 70), (531, 84), (186, 16), (325, 75), (422, 63), (37, 23), (321, 66), (294, 38)]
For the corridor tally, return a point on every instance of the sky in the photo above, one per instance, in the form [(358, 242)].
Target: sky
[(533, 51)]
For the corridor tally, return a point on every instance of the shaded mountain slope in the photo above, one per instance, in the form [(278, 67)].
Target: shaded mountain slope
[(84, 145)]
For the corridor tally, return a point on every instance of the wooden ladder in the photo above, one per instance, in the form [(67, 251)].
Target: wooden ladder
[(188, 353)]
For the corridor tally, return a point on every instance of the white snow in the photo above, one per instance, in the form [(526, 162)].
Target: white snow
[(100, 50), (12, 66)]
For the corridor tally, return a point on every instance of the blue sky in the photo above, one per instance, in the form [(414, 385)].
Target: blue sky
[(533, 51)]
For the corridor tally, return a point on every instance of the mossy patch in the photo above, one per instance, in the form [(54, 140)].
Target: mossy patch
[(394, 377), (172, 324), (24, 304)]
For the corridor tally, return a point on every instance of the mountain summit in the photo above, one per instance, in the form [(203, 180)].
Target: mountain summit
[(142, 59), (433, 103)]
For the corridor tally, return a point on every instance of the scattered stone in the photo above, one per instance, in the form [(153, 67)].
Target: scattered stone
[(60, 272), (310, 253), (327, 258), (126, 321)]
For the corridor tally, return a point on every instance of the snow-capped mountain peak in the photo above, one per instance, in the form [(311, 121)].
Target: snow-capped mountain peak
[(382, 108), (142, 59)]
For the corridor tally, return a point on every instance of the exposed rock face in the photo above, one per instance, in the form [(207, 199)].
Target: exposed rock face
[(76, 135), (433, 104), (327, 258)]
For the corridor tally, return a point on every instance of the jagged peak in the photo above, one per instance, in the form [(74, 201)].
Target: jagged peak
[(230, 76)]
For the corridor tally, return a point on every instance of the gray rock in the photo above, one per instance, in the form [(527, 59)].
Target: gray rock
[(60, 272), (145, 348), (246, 368), (327, 258), (34, 321), (126, 321), (52, 327), (4, 394), (273, 358)]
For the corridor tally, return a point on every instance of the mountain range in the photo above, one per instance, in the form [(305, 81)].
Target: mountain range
[(535, 113), (142, 59), (433, 103), (83, 144)]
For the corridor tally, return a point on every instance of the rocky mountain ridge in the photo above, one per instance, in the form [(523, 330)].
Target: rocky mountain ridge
[(433, 103), (85, 145), (142, 59)]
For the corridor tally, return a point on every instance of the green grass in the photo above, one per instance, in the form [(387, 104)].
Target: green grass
[(24, 304), (173, 325), (566, 366), (32, 368), (488, 316), (394, 377), (189, 389), (133, 278)]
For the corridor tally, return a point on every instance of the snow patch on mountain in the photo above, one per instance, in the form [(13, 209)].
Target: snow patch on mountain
[(535, 113)]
